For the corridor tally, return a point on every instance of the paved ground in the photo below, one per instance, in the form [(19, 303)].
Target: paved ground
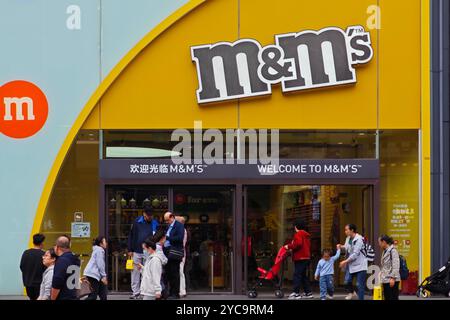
[(263, 296)]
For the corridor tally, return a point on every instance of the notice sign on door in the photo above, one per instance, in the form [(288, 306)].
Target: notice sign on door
[(81, 230)]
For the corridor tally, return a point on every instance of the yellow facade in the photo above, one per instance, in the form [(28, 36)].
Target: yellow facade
[(386, 96), (154, 86)]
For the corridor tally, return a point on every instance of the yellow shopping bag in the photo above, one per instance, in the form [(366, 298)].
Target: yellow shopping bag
[(129, 265), (377, 293)]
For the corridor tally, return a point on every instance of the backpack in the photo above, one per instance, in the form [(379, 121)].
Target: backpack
[(368, 251), (404, 271)]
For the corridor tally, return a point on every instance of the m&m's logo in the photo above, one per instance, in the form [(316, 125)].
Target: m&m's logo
[(23, 109)]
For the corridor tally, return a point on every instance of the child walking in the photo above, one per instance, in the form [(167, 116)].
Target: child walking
[(325, 273), (151, 271)]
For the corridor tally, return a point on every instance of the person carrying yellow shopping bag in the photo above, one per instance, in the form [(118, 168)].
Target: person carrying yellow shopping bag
[(377, 291), (129, 264), (142, 228)]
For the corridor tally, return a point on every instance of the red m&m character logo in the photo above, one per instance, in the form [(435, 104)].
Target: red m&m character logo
[(23, 109)]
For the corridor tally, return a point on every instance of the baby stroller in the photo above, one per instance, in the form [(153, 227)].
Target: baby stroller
[(271, 275), (437, 283)]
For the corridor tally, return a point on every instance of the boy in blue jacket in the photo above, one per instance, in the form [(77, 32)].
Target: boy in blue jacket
[(325, 273)]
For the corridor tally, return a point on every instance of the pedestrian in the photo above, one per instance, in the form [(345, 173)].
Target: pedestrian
[(151, 288), (301, 255), (143, 227), (325, 273), (159, 238), (95, 270), (173, 248), (65, 272), (348, 280), (390, 268), (356, 260), (32, 267), (183, 262), (48, 259)]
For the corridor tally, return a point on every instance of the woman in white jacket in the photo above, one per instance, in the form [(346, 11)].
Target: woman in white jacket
[(152, 271), (95, 270)]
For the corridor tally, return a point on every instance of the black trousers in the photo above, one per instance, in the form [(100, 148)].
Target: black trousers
[(172, 274), (301, 277), (33, 292), (98, 289), (391, 293)]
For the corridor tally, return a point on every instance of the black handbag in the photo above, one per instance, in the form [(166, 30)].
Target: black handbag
[(176, 254)]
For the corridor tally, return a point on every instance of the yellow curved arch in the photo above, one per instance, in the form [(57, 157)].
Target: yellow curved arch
[(92, 102)]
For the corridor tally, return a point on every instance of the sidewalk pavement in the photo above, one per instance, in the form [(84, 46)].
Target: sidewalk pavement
[(224, 297)]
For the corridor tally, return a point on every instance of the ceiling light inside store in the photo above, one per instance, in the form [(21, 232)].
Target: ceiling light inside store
[(134, 152)]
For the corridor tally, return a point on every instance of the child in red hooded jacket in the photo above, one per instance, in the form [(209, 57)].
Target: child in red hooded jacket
[(301, 255)]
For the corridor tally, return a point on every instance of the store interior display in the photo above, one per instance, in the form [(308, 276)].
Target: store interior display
[(325, 209)]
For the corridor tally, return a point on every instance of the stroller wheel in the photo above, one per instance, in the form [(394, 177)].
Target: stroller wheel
[(252, 294), (421, 293), (279, 294)]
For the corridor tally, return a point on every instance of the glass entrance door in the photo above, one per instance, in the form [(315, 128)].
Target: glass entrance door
[(271, 210), (124, 204), (208, 211)]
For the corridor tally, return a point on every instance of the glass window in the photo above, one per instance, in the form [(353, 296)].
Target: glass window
[(154, 144), (292, 144), (75, 195), (327, 144), (399, 187)]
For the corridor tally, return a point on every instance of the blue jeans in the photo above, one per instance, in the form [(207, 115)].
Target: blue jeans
[(348, 281), (360, 283), (326, 284)]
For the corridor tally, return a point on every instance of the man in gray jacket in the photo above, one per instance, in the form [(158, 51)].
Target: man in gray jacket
[(356, 260)]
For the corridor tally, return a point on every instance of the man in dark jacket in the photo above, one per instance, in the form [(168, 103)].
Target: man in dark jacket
[(143, 227), (66, 272), (32, 267), (173, 249)]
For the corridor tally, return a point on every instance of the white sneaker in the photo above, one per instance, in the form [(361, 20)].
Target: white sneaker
[(293, 296), (306, 296), (349, 296), (330, 297)]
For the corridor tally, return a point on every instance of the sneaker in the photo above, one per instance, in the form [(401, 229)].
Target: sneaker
[(293, 296), (134, 297), (306, 296), (329, 297), (350, 296)]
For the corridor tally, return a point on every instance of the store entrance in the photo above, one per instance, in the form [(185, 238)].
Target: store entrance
[(270, 211), (208, 212)]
